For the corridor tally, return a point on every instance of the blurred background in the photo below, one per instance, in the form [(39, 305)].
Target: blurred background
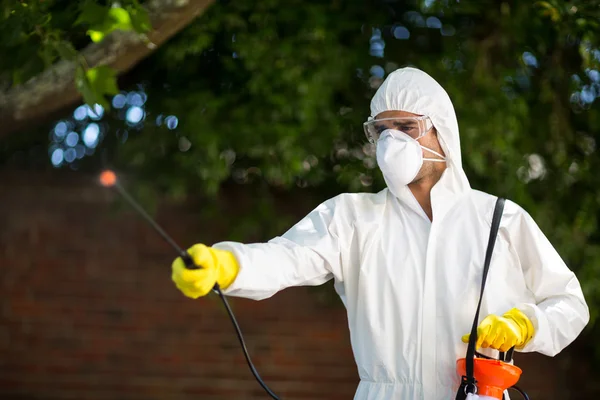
[(230, 120)]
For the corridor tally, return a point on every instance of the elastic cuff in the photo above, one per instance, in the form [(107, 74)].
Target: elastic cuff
[(229, 267), (524, 323), (538, 327)]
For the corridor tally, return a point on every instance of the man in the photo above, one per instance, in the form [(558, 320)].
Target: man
[(407, 261)]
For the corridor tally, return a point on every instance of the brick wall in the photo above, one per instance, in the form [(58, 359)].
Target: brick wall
[(88, 311)]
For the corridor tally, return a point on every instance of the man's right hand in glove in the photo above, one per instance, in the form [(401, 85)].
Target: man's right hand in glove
[(217, 266)]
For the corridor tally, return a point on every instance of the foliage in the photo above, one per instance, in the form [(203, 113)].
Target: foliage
[(272, 94), (38, 33)]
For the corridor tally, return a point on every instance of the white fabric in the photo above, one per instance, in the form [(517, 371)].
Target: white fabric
[(410, 286), (476, 397)]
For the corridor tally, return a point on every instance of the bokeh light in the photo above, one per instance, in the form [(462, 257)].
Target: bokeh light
[(434, 22), (378, 71), (70, 155), (74, 138), (171, 121), (80, 113), (415, 19), (96, 113), (134, 115), (60, 130), (529, 59), (119, 101), (57, 157), (184, 144), (401, 32), (377, 44), (90, 135), (80, 151), (135, 99)]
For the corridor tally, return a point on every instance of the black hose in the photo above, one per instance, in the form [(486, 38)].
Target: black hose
[(238, 331), (190, 264), (525, 396)]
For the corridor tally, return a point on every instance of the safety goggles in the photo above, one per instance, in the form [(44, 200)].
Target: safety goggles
[(415, 127)]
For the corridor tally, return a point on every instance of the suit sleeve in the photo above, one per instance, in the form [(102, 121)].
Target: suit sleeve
[(559, 313), (308, 254)]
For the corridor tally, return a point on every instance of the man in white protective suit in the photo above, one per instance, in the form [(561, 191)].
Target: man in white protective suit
[(407, 261)]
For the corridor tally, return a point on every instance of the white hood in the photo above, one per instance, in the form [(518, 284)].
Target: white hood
[(412, 90)]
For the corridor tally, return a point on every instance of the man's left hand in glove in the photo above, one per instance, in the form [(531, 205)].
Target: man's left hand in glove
[(513, 329)]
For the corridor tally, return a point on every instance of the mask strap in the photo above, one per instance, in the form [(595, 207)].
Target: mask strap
[(443, 159), (433, 159)]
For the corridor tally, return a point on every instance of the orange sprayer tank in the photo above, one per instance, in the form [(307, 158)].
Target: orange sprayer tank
[(493, 376)]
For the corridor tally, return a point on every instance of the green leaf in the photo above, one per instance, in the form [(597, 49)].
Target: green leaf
[(84, 87), (550, 10), (65, 50), (47, 55), (140, 19), (102, 20), (92, 14), (103, 80), (95, 84)]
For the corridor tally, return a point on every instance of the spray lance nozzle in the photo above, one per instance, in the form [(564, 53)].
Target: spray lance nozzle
[(109, 179)]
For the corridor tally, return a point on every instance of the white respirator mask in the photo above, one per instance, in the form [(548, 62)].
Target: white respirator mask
[(400, 158)]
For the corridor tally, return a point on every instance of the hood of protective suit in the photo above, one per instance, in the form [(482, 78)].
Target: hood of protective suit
[(412, 90)]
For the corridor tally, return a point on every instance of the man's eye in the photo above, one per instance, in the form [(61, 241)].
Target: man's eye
[(406, 128), (380, 128)]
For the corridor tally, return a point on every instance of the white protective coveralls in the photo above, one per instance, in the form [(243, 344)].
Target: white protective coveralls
[(411, 286)]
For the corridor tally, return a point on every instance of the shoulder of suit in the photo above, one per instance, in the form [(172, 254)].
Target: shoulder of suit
[(353, 206), (361, 200), (484, 203)]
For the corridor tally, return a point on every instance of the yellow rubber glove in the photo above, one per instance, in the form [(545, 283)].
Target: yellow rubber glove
[(218, 266), (502, 333)]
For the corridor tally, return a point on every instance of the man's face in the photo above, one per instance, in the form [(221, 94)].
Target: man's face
[(430, 140)]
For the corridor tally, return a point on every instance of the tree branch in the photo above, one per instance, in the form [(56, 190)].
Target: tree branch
[(54, 89)]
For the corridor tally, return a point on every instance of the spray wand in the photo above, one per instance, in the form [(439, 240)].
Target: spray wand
[(108, 179)]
